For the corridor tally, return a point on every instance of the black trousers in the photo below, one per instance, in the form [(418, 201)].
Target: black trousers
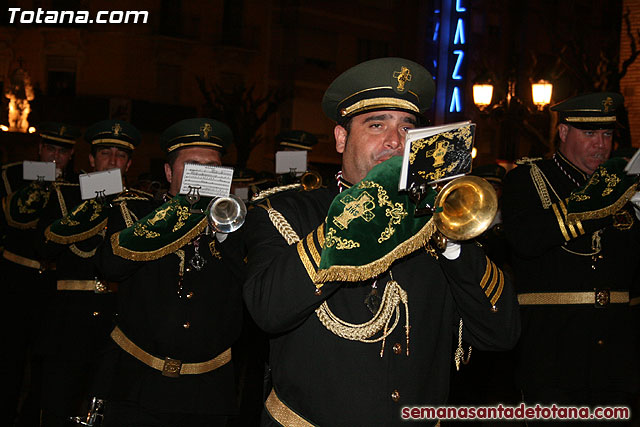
[(130, 414)]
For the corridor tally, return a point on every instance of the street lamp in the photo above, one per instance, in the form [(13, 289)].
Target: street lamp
[(482, 94), (541, 94), (514, 116)]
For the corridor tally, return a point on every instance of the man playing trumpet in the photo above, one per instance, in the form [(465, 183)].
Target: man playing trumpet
[(356, 347)]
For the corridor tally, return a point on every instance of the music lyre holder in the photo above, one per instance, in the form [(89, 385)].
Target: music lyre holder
[(193, 197), (101, 197), (417, 194)]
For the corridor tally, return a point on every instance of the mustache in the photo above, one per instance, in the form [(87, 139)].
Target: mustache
[(388, 153)]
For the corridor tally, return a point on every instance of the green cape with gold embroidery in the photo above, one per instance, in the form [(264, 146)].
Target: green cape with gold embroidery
[(371, 225), (83, 222), (606, 192), (163, 231), (22, 208)]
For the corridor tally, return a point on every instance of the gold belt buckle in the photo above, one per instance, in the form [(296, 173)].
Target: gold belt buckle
[(171, 367), (100, 288), (602, 297)]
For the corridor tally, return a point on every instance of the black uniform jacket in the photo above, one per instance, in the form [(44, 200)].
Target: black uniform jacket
[(578, 347), (332, 381), (80, 320), (192, 324), (22, 240)]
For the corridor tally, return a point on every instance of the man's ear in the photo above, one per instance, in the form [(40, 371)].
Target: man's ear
[(126, 169), (92, 161), (563, 130), (340, 134), (167, 172)]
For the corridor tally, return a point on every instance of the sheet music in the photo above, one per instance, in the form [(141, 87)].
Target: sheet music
[(32, 171), (102, 183), (210, 181)]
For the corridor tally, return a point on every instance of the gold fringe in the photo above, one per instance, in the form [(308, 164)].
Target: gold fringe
[(65, 240), (157, 253), (350, 273), (606, 211)]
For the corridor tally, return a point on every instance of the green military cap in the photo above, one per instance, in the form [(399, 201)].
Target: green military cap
[(591, 111), (492, 173), (58, 133), (379, 84), (201, 132), (297, 139), (113, 133)]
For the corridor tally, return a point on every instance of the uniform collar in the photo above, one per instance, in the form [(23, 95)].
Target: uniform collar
[(569, 169)]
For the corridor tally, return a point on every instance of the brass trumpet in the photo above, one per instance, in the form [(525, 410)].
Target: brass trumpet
[(311, 180), (465, 207)]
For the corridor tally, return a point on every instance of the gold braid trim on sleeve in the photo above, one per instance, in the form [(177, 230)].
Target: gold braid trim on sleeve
[(569, 224), (498, 293), (494, 279), (487, 274), (304, 258), (560, 222)]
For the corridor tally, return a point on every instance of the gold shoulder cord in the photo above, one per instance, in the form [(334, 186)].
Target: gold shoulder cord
[(129, 217), (539, 179), (271, 191), (281, 224), (63, 205), (393, 295), (459, 354)]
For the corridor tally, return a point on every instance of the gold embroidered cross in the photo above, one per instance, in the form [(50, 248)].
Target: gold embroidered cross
[(160, 215), (355, 208), (206, 128), (116, 129), (438, 153), (403, 76), (63, 129), (607, 103)]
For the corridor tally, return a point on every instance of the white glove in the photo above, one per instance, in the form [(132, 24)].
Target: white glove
[(452, 251)]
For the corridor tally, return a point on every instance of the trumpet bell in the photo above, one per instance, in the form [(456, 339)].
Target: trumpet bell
[(311, 180), (226, 214), (469, 204)]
